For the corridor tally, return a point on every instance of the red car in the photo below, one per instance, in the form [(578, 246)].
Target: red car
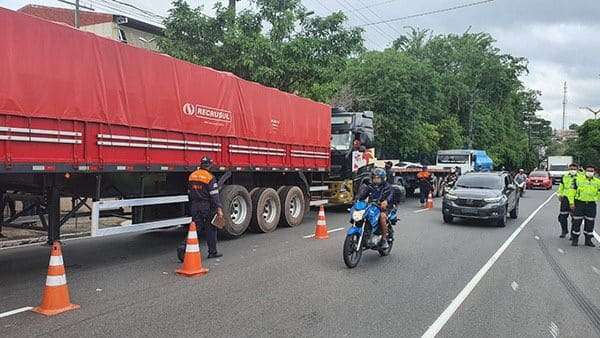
[(539, 180)]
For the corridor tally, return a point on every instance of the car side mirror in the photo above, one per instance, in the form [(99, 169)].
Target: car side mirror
[(512, 186)]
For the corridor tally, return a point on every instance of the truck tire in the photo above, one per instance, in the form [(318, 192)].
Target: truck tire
[(266, 210), (237, 207), (293, 206)]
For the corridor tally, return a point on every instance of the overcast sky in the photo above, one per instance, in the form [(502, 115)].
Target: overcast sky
[(560, 38)]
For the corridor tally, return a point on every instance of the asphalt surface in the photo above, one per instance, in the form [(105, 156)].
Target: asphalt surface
[(281, 284)]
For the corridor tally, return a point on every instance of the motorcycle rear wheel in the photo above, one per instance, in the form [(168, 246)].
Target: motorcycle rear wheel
[(351, 255)]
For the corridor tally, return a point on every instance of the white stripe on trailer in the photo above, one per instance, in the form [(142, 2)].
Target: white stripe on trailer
[(39, 139), (309, 152), (121, 167), (39, 131), (192, 248), (56, 261), (239, 146), (255, 152), (156, 140), (38, 168), (154, 146), (164, 168), (56, 280), (309, 156), (318, 188)]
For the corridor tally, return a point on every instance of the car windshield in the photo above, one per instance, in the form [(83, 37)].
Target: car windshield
[(538, 174), (479, 182)]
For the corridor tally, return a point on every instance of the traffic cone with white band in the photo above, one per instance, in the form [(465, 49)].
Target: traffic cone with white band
[(192, 261), (56, 293), (321, 230), (429, 204)]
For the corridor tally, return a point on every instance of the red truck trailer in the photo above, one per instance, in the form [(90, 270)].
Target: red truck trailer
[(82, 116)]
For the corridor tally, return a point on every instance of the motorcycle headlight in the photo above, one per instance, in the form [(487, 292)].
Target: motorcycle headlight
[(494, 199), (450, 196), (358, 215)]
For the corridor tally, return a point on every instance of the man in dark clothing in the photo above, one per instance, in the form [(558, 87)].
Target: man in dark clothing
[(388, 172), (380, 191), (425, 186), (203, 192)]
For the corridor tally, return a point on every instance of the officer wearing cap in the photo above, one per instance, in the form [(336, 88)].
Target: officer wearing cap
[(203, 191)]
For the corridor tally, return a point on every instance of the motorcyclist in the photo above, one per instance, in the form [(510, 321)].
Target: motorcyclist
[(379, 190), (451, 178), (521, 177)]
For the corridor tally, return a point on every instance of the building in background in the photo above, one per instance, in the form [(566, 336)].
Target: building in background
[(116, 27)]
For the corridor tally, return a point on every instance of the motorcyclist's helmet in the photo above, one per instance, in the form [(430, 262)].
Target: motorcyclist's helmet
[(453, 170), (378, 176), (521, 171)]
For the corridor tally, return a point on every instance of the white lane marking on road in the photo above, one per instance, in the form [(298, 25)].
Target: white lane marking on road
[(421, 210), (439, 323), (14, 312), (561, 250), (596, 270), (329, 231), (514, 285), (553, 328), (596, 236)]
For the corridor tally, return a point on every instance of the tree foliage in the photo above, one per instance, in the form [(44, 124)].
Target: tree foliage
[(586, 148), (434, 92), (279, 44)]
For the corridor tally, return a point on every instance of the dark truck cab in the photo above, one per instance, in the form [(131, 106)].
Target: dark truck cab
[(345, 128)]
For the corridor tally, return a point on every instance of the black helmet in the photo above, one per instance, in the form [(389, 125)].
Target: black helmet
[(206, 162)]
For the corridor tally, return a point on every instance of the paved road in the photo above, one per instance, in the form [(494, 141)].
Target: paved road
[(281, 284)]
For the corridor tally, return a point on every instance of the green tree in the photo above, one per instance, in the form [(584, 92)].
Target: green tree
[(279, 44), (586, 148)]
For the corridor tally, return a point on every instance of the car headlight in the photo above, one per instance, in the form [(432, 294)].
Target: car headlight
[(450, 196), (494, 199), (357, 215)]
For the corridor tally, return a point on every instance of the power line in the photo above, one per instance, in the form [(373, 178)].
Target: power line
[(105, 5), (428, 13), (379, 17), (367, 23), (376, 4)]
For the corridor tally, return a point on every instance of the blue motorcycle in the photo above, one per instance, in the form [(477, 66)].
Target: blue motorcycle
[(365, 232)]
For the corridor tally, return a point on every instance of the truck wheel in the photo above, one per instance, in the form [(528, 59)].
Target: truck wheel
[(266, 210), (237, 207), (292, 205)]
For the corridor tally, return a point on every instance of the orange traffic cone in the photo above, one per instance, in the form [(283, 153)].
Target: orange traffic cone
[(429, 204), (56, 293), (192, 261), (321, 230)]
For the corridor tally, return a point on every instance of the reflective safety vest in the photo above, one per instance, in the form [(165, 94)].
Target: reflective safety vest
[(568, 187), (588, 189)]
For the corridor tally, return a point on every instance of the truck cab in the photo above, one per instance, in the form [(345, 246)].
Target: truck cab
[(346, 127), (466, 160)]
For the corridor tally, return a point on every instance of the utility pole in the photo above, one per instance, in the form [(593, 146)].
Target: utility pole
[(471, 120), (595, 112), (232, 6), (77, 7), (564, 103)]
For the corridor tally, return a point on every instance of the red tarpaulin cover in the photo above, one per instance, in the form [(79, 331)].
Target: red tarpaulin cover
[(55, 71)]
